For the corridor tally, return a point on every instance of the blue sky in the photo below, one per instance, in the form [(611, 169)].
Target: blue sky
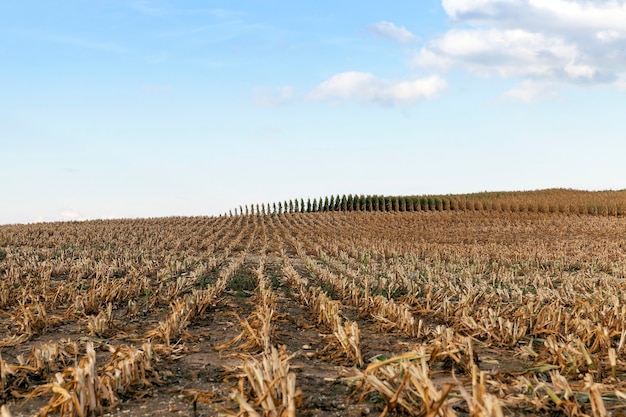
[(155, 108)]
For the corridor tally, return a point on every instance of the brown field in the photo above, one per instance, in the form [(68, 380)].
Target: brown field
[(483, 312)]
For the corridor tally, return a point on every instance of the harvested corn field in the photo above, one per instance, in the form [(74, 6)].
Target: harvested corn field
[(485, 312)]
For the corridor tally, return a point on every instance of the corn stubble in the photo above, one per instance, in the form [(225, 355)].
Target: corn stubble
[(265, 387), (489, 306), (85, 389), (344, 343)]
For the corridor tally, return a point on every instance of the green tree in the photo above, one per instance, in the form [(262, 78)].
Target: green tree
[(361, 203)]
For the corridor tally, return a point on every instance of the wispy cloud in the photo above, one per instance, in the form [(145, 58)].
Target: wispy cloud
[(74, 41), (367, 88), (91, 44), (149, 8), (223, 13), (156, 88), (530, 91), (390, 31), (272, 96), (158, 9)]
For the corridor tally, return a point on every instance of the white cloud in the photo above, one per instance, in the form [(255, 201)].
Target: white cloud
[(544, 14), (572, 41), (586, 14), (460, 9), (507, 53), (345, 85), (580, 72), (365, 87), (272, 96), (529, 91), (544, 43), (390, 31), (609, 36)]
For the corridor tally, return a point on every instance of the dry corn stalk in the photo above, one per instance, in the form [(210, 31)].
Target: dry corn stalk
[(559, 392), (404, 382), (182, 312), (74, 392), (52, 356), (571, 355), (6, 371), (28, 320), (481, 403), (99, 325), (84, 390), (450, 346), (267, 387), (256, 333), (128, 366), (258, 327), (346, 334), (192, 306), (14, 376), (5, 412), (595, 397)]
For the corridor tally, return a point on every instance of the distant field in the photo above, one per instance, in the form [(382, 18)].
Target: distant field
[(482, 305)]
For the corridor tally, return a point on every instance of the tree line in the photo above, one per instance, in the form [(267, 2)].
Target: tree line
[(538, 201), (347, 203)]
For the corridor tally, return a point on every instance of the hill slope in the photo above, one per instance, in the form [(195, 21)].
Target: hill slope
[(541, 201), (483, 309)]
